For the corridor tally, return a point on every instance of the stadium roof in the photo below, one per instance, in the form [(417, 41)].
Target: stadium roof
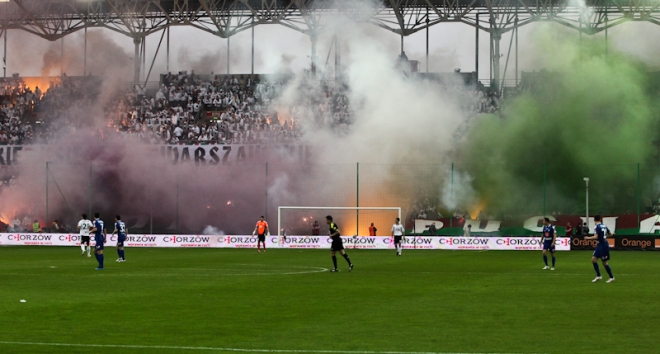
[(53, 19)]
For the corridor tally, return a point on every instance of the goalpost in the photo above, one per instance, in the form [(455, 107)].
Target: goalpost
[(357, 210)]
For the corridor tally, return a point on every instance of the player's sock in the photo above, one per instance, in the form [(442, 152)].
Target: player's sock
[(334, 261), (609, 270), (347, 259), (99, 258), (545, 260), (82, 248), (119, 253), (553, 261), (597, 269)]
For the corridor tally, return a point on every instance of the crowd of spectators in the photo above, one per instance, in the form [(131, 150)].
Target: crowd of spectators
[(193, 109), (16, 101), (189, 108), (66, 106), (7, 181), (322, 105)]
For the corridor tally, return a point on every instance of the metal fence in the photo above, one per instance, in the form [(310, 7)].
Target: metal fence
[(187, 198)]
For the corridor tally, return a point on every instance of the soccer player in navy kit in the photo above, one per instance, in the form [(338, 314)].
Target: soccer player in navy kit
[(99, 237), (602, 249), (337, 244), (121, 231), (549, 239)]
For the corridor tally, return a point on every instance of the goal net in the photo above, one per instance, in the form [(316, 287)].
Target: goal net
[(299, 221)]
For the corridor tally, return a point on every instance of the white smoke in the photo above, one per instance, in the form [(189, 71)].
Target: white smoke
[(397, 120), (212, 230), (457, 191)]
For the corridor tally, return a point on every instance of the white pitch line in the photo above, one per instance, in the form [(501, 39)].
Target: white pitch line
[(241, 350), (198, 274), (549, 273)]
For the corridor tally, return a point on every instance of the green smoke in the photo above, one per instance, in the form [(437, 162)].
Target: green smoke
[(596, 118)]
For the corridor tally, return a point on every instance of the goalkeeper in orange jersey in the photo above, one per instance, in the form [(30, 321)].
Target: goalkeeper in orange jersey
[(262, 231)]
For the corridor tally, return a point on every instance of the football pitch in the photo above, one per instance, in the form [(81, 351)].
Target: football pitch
[(285, 301)]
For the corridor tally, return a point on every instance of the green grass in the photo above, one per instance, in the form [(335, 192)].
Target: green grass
[(425, 301)]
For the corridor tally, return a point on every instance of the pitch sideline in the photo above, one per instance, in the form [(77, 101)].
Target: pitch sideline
[(240, 350)]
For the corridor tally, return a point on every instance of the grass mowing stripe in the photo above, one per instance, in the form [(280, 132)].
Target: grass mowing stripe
[(320, 270), (241, 350)]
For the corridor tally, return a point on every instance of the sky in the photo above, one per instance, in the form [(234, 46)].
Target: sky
[(280, 49)]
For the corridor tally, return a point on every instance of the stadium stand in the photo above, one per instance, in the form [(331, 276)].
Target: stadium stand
[(188, 108), (17, 101)]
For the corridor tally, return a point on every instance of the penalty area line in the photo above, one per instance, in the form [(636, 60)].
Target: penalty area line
[(241, 350)]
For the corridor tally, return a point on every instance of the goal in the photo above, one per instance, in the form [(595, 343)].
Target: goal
[(299, 220)]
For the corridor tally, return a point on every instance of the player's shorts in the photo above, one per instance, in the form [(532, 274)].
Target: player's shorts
[(120, 240), (262, 237), (397, 239), (548, 245), (337, 245), (99, 246), (602, 253), (84, 240)]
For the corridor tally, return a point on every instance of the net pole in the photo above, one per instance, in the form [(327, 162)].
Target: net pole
[(90, 190), (357, 199), (544, 189), (451, 217), (47, 226), (62, 195), (177, 201), (279, 226), (639, 196), (266, 202), (151, 209)]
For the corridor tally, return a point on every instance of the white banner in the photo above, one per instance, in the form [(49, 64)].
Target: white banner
[(318, 242), (176, 154), (498, 243)]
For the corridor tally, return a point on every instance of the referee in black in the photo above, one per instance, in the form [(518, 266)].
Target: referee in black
[(337, 244)]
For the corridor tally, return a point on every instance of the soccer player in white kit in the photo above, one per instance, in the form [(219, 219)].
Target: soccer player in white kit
[(84, 225), (398, 231)]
